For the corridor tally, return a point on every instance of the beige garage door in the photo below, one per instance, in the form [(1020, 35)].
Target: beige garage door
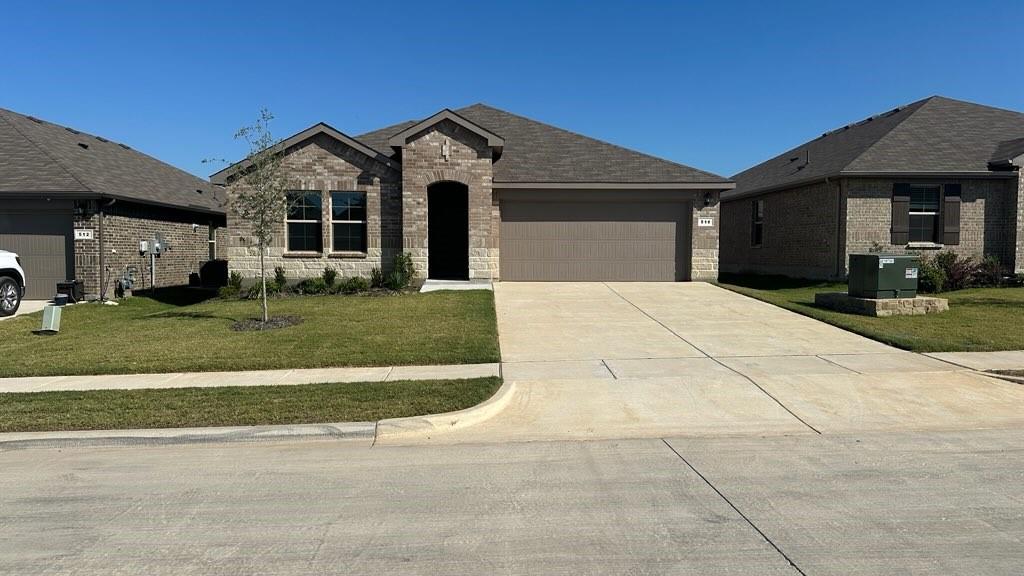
[(594, 241), (43, 242)]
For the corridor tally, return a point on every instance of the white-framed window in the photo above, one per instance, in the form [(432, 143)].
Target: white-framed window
[(348, 221), (924, 213), (304, 221)]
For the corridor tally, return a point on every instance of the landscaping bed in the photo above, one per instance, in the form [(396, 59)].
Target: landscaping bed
[(182, 330), (238, 405), (978, 320)]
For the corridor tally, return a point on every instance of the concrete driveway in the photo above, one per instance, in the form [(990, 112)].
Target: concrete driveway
[(616, 360), (28, 307)]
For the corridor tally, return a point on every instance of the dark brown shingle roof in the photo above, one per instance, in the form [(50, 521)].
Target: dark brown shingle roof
[(535, 152), (38, 156), (934, 135)]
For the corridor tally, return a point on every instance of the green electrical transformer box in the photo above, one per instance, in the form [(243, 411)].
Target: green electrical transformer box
[(883, 276)]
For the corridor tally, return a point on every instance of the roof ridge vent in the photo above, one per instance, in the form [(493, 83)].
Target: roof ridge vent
[(125, 146), (101, 138), (34, 119), (72, 130)]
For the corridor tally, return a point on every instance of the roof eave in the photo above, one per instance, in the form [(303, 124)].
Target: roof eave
[(402, 138), (614, 185), (220, 178), (987, 174)]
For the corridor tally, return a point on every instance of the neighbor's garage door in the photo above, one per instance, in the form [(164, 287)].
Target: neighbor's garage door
[(594, 241), (43, 241)]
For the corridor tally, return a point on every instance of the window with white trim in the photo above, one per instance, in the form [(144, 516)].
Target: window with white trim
[(924, 213), (304, 221), (348, 221)]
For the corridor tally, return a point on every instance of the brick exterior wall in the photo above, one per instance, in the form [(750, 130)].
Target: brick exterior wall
[(808, 229), (469, 162), (801, 233), (323, 164), (124, 226), (986, 217), (1018, 263)]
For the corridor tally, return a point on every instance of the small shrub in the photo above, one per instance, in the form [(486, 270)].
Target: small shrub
[(1018, 281), (330, 277), (930, 279), (395, 281), (312, 286), (229, 292), (989, 272), (959, 270), (235, 281), (402, 273), (376, 278), (355, 285), (404, 266), (280, 279)]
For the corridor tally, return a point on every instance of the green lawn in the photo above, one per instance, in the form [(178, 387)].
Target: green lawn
[(238, 406), (980, 319), (174, 332)]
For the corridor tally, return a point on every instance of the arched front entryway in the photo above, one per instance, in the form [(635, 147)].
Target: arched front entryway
[(448, 231)]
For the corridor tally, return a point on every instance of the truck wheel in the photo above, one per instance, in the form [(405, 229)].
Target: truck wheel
[(10, 296)]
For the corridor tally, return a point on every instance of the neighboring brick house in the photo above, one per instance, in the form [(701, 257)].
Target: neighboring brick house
[(938, 174), (482, 194), (76, 206)]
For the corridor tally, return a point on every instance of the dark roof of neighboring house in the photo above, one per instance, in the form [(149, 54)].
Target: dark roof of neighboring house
[(935, 135), (535, 152), (41, 157), (1007, 151)]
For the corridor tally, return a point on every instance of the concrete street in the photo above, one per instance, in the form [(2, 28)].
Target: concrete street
[(905, 503)]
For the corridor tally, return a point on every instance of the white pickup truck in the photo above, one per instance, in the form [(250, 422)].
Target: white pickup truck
[(12, 283)]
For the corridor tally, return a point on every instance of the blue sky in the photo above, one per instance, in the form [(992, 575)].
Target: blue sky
[(716, 85)]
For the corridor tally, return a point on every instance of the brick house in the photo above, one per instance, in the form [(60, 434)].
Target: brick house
[(938, 174), (76, 206), (482, 194)]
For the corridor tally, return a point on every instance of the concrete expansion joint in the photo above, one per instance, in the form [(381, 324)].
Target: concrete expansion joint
[(735, 508), (819, 356)]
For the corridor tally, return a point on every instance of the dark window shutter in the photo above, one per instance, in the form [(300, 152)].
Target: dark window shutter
[(951, 215), (900, 214)]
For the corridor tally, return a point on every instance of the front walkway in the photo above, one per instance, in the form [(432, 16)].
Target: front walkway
[(250, 378)]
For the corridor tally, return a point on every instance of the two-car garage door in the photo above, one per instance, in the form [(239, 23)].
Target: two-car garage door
[(595, 241)]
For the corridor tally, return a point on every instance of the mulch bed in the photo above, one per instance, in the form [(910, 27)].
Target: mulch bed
[(257, 324)]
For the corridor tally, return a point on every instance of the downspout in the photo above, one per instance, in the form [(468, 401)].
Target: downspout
[(103, 248), (838, 228)]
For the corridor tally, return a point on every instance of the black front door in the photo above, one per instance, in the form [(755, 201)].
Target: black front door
[(448, 231)]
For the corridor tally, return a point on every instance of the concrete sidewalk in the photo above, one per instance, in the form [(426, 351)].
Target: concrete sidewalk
[(984, 361), (248, 378)]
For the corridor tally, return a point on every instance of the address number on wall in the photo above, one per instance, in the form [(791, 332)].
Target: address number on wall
[(83, 234), (705, 222)]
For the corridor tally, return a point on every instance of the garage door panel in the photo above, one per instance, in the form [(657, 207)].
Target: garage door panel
[(43, 242), (594, 241)]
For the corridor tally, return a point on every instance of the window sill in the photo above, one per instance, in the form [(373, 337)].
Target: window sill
[(302, 255), (349, 255), (925, 246)]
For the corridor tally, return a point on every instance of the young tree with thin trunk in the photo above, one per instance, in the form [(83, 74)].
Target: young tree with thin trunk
[(260, 198)]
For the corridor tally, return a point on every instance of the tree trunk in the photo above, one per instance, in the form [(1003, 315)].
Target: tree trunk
[(263, 287)]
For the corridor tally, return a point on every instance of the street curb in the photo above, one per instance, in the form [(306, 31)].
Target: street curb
[(416, 425), (171, 436)]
